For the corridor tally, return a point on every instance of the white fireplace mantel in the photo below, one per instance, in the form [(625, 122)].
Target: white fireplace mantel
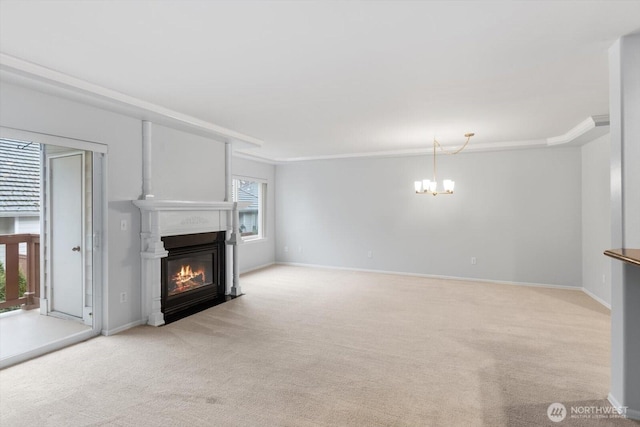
[(162, 218), (181, 205), (172, 217)]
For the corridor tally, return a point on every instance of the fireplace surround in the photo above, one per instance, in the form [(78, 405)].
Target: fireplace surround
[(161, 222)]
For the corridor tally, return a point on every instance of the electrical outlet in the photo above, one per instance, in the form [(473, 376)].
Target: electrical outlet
[(604, 279), (286, 248), (474, 261), (124, 225), (123, 297), (300, 249), (370, 254)]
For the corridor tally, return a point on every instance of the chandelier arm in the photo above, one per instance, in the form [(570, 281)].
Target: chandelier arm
[(435, 141)]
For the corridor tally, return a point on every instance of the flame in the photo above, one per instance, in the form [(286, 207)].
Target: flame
[(187, 278)]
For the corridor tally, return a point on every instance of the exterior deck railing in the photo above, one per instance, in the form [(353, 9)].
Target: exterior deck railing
[(30, 267)]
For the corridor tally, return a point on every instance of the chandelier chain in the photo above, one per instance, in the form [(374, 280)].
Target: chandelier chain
[(468, 135)]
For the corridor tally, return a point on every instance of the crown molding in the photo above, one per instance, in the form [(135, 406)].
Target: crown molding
[(15, 70), (494, 146), (254, 157), (587, 130)]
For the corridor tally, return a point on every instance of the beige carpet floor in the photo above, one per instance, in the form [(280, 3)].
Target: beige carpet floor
[(315, 347)]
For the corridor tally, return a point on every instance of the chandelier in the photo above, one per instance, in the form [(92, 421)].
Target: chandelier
[(431, 187)]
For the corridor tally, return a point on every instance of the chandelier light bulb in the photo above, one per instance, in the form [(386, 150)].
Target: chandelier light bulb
[(448, 185)]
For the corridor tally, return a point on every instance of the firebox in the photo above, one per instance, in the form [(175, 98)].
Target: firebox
[(193, 274)]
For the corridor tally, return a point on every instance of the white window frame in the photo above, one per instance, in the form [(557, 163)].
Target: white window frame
[(262, 205)]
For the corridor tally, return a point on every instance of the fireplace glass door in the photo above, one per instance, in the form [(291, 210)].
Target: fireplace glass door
[(193, 273), (189, 273)]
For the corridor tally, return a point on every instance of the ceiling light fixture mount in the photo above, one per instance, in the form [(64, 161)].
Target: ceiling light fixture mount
[(431, 187)]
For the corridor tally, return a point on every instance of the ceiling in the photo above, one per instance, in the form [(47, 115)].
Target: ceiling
[(329, 78)]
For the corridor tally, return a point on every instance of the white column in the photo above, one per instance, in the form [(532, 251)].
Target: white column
[(624, 86), (147, 187), (228, 178), (235, 239), (228, 196)]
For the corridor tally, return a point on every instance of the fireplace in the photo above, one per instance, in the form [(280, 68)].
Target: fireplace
[(193, 273), (179, 227)]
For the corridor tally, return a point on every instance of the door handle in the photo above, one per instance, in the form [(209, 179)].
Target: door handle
[(76, 249)]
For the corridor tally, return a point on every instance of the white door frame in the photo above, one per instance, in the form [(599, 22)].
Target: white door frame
[(100, 262), (100, 241), (48, 224)]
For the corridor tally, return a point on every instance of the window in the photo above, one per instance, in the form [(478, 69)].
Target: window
[(253, 192)]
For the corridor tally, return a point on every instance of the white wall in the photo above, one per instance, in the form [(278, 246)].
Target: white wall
[(187, 167), (34, 111), (517, 212), (27, 225), (596, 218), (7, 225), (261, 252)]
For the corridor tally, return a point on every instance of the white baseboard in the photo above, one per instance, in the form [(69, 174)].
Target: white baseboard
[(433, 276), (109, 332), (596, 297), (614, 402), (259, 267), (633, 414)]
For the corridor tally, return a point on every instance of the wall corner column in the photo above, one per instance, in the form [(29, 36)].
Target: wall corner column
[(624, 101), (233, 237)]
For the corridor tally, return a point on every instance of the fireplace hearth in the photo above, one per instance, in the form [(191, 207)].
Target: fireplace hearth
[(193, 274)]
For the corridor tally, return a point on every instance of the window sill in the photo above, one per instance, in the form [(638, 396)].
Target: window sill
[(254, 240)]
